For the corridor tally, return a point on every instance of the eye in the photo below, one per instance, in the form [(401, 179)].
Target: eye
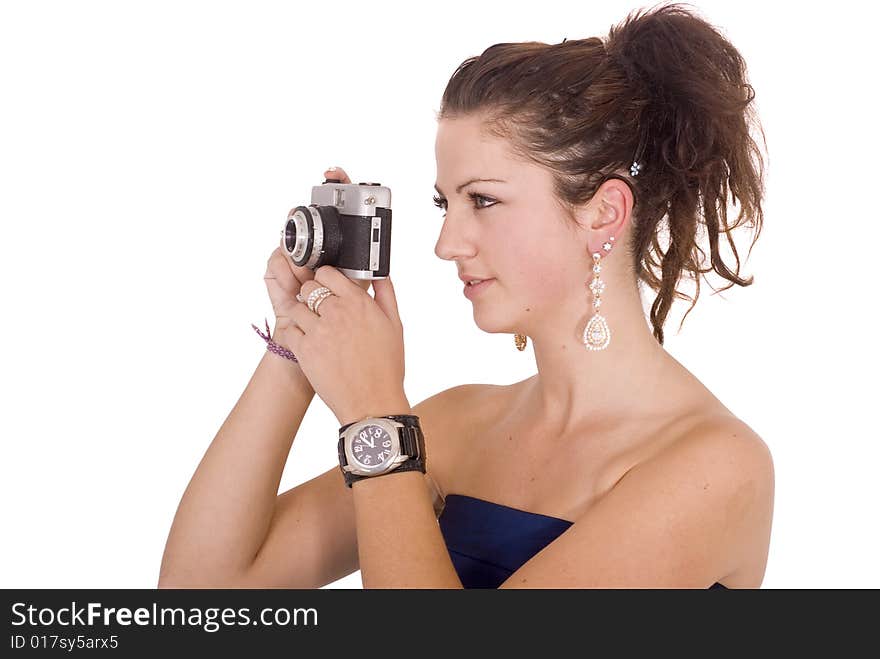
[(439, 202)]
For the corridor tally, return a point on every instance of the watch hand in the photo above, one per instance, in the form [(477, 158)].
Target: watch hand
[(372, 444)]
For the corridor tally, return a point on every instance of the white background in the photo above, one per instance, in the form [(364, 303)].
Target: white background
[(149, 153)]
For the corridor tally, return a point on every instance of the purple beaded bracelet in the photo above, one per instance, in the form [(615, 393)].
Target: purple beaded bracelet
[(271, 345)]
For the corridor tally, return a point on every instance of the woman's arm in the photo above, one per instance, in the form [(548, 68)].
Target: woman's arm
[(400, 544), (225, 512)]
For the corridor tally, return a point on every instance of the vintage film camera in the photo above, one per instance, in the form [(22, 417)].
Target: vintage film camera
[(347, 226)]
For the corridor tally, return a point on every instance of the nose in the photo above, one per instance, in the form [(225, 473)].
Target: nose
[(451, 244)]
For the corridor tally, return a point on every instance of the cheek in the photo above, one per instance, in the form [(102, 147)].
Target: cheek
[(536, 284), (542, 266)]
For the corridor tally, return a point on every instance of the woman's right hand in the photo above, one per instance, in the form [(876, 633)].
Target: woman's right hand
[(284, 279)]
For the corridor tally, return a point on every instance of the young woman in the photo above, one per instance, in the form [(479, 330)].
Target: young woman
[(564, 170)]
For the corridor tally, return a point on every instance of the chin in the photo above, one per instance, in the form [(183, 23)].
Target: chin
[(493, 323)]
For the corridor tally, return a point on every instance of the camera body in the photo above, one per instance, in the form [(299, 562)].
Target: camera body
[(346, 225)]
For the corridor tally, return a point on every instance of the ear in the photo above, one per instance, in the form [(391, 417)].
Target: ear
[(608, 211)]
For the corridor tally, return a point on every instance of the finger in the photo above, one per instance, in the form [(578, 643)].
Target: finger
[(298, 275), (340, 284), (282, 301), (337, 173), (307, 290), (283, 284), (277, 269), (304, 319), (293, 335), (386, 298)]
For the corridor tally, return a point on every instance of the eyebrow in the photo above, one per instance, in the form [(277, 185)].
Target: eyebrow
[(473, 180)]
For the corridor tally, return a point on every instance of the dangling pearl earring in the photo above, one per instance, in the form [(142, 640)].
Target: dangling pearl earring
[(597, 334)]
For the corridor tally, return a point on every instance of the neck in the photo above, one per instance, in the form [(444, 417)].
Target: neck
[(575, 385)]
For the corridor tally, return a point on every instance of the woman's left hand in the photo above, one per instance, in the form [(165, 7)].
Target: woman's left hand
[(352, 353)]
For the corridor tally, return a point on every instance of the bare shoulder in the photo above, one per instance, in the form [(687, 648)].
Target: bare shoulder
[(446, 418), (723, 458), (445, 414), (729, 446), (695, 512), (454, 396)]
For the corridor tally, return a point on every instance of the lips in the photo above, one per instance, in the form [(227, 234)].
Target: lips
[(470, 291)]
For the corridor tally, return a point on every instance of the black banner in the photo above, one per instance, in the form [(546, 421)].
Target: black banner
[(143, 622)]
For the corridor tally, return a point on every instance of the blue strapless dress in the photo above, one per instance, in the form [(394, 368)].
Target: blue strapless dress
[(489, 541)]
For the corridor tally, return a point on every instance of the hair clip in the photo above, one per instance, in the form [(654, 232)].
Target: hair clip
[(635, 168)]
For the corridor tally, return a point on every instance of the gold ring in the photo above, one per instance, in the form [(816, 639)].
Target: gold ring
[(321, 299), (319, 293)]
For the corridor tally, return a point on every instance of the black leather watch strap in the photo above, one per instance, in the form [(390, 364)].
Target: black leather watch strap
[(413, 464), (403, 418), (412, 441)]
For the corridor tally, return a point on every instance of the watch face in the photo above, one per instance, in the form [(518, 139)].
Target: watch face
[(371, 446)]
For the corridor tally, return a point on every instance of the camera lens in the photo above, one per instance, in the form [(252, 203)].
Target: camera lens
[(312, 236), (292, 237)]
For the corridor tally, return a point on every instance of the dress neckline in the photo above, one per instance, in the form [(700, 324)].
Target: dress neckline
[(501, 505), (567, 523)]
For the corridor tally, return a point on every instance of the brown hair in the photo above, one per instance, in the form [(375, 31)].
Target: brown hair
[(664, 88)]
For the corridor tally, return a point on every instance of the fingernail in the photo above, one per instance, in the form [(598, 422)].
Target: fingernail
[(331, 169)]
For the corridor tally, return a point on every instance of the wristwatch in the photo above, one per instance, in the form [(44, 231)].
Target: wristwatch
[(379, 445)]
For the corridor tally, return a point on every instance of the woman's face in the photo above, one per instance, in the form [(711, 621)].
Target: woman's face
[(513, 231)]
